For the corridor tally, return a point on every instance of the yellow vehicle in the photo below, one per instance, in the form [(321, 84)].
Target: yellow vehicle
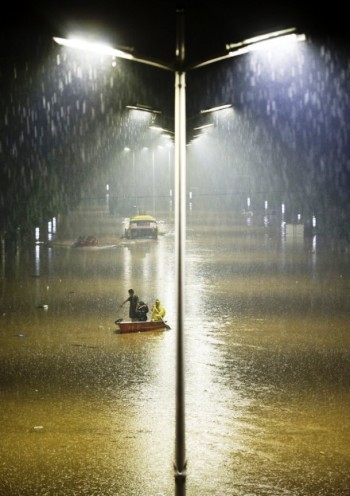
[(142, 226)]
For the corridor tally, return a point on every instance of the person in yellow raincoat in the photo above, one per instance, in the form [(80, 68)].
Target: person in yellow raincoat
[(158, 311)]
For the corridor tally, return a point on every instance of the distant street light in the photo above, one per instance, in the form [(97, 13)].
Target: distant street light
[(149, 113), (127, 149), (215, 109), (153, 186), (143, 108), (180, 70)]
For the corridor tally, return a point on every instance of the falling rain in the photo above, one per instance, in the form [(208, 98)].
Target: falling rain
[(87, 410)]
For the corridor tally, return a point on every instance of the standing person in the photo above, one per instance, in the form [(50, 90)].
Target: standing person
[(133, 300), (158, 311)]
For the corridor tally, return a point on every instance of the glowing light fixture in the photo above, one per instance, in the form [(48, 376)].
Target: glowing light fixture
[(288, 34), (102, 49), (143, 108), (205, 126), (91, 47), (215, 109), (256, 43)]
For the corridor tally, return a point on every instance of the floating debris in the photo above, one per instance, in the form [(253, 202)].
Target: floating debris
[(38, 428), (44, 307)]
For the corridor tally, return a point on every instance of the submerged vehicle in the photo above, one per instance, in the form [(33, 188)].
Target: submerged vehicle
[(142, 226)]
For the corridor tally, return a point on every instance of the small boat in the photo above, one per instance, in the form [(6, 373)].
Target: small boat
[(83, 242), (141, 326)]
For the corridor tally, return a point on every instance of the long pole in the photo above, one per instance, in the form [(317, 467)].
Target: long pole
[(134, 179), (180, 232), (153, 188), (170, 181)]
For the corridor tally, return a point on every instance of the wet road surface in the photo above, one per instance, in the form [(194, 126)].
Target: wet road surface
[(87, 411)]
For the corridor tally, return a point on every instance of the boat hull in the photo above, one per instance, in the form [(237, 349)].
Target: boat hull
[(145, 326)]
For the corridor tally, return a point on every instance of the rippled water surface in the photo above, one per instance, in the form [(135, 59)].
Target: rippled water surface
[(87, 411)]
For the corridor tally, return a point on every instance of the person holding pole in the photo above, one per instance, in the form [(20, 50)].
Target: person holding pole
[(133, 300)]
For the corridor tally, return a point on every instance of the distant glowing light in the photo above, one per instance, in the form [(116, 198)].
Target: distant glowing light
[(163, 130), (37, 260), (205, 126), (143, 108), (49, 231), (37, 234), (283, 208), (313, 221)]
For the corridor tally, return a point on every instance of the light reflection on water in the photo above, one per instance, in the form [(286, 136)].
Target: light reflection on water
[(267, 367)]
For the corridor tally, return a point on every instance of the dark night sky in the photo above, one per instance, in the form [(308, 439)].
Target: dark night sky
[(149, 27)]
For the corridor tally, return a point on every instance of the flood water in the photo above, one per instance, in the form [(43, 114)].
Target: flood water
[(87, 411)]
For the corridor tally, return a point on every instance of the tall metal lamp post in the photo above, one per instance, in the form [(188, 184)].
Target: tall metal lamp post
[(133, 152), (180, 70)]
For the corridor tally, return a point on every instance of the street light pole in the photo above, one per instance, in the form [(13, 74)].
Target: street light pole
[(180, 192), (180, 235), (133, 174), (153, 189), (170, 181), (134, 177)]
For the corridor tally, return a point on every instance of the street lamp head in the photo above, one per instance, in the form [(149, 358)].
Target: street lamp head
[(259, 38), (102, 49), (204, 126), (80, 44), (256, 43), (143, 108), (161, 129), (264, 41), (215, 109)]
